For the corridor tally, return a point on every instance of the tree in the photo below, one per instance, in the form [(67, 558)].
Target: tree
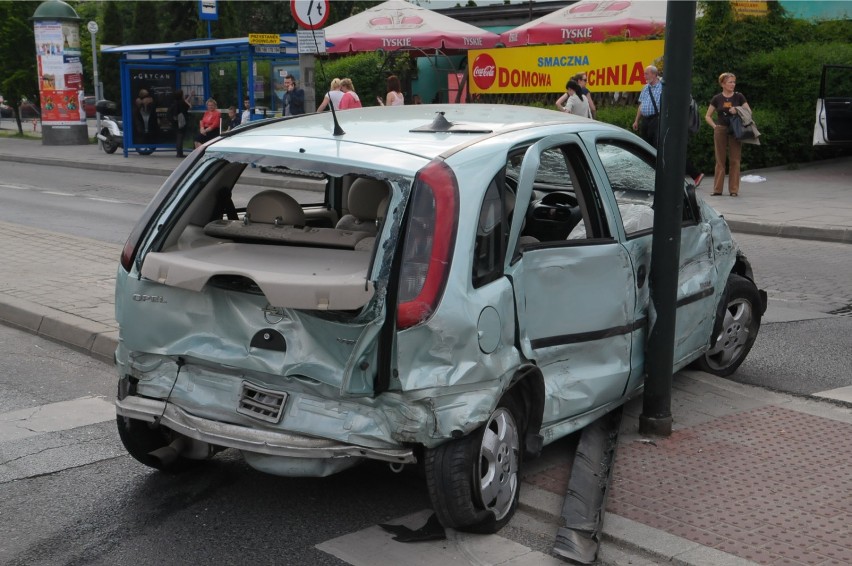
[(18, 75), (182, 21), (111, 34)]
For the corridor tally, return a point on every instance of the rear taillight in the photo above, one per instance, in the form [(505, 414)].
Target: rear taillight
[(128, 253), (429, 240)]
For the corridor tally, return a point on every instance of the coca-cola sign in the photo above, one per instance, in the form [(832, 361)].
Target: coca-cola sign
[(484, 71)]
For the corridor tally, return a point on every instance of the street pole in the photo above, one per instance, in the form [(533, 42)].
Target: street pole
[(93, 29), (656, 417)]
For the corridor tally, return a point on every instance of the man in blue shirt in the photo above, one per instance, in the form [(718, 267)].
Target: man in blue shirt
[(648, 112)]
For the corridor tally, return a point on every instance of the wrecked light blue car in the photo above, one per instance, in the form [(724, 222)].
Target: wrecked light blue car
[(454, 286)]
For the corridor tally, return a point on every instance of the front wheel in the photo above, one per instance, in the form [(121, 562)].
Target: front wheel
[(739, 312), (474, 482)]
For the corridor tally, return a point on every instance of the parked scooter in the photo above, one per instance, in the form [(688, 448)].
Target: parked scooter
[(111, 135)]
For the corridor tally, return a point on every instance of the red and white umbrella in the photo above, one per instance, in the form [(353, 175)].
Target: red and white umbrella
[(591, 21), (398, 25)]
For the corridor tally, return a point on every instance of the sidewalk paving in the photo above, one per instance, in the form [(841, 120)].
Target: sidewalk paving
[(748, 475)]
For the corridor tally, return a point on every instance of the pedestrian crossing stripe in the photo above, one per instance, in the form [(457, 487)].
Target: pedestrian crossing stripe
[(374, 545)]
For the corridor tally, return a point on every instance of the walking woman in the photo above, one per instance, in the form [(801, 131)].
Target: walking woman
[(573, 100), (725, 105)]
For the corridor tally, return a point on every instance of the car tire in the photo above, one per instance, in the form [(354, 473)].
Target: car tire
[(108, 146), (144, 150), (738, 321), (141, 438), (474, 482)]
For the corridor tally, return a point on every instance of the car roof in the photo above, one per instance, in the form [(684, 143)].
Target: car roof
[(410, 129)]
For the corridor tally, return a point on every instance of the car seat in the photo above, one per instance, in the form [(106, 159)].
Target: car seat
[(367, 202), (274, 207)]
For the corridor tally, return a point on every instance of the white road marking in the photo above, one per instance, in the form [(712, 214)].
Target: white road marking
[(18, 187), (839, 394), (64, 415), (59, 194), (109, 200), (374, 545)]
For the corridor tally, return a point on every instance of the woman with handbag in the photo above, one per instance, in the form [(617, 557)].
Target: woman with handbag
[(725, 106)]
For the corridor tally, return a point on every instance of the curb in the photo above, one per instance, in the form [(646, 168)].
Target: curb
[(840, 235), (117, 168), (636, 537), (95, 339)]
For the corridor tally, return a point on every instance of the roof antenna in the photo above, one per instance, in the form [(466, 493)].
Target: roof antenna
[(440, 123), (338, 131)]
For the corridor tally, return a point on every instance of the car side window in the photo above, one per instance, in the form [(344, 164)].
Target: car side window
[(491, 233), (565, 208), (631, 175)]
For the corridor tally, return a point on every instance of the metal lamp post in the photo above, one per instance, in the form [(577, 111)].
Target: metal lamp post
[(93, 29)]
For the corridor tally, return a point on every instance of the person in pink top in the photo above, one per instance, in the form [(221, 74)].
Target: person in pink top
[(350, 97), (208, 128)]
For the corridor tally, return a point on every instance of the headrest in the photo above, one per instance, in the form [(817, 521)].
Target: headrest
[(365, 197), (267, 206)]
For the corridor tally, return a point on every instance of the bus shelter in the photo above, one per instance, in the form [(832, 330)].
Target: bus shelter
[(226, 69)]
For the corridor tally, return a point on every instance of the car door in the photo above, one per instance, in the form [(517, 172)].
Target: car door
[(574, 295), (834, 106), (629, 171)]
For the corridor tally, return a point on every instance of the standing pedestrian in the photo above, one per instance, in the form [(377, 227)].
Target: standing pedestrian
[(332, 97), (394, 96), (179, 116), (725, 105), (294, 97), (350, 97), (583, 80), (648, 111), (573, 101)]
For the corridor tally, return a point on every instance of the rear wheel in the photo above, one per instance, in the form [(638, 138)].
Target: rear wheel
[(474, 482), (141, 438), (739, 312), (108, 145)]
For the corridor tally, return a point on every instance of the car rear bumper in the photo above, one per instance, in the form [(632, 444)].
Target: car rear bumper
[(251, 440)]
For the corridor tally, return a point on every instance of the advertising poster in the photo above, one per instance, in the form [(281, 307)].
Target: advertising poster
[(611, 67), (60, 73), (153, 92)]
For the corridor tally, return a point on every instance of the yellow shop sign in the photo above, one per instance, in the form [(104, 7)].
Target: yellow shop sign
[(616, 66)]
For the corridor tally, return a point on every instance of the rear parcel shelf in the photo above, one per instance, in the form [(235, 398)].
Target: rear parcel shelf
[(239, 231), (299, 277)]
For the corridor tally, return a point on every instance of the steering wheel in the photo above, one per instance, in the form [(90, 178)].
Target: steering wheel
[(557, 207), (553, 216)]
